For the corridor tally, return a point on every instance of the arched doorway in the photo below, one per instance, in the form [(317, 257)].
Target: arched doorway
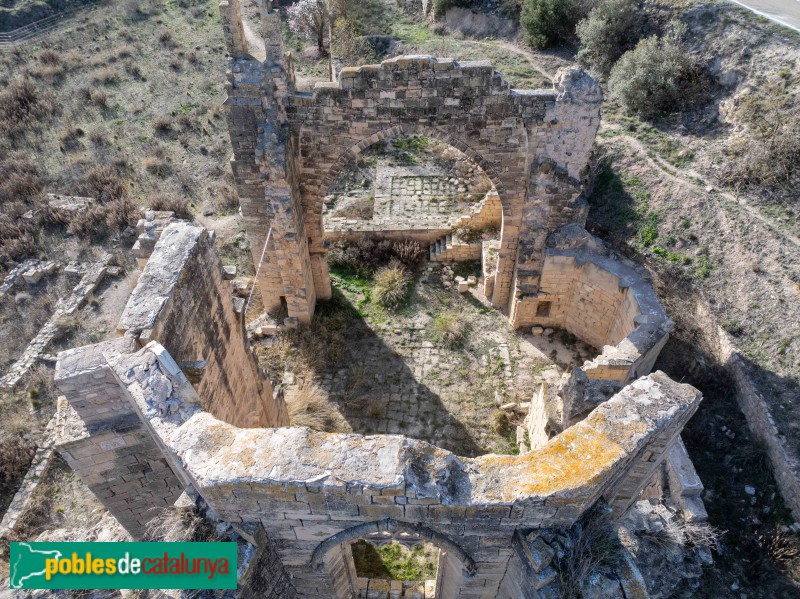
[(314, 200), (334, 556)]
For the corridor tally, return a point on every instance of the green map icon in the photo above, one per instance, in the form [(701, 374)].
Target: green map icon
[(27, 563)]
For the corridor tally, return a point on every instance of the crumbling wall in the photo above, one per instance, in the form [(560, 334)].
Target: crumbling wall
[(331, 486), (106, 443), (183, 301)]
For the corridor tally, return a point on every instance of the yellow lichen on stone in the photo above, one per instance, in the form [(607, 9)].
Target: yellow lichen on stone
[(576, 458)]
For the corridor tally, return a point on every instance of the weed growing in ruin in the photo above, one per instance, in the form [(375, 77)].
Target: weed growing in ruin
[(308, 406), (449, 329), (391, 286), (175, 524)]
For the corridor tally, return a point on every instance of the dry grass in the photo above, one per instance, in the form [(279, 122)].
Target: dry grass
[(170, 203), (308, 406), (449, 329), (680, 533), (175, 524)]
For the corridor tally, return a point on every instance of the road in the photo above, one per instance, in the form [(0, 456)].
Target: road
[(785, 12)]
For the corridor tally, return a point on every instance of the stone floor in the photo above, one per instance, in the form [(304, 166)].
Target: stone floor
[(403, 198), (395, 377)]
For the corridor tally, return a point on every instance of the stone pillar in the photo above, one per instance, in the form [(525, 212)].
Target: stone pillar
[(105, 442), (231, 16)]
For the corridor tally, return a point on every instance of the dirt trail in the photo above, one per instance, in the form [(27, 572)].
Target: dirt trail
[(689, 180)]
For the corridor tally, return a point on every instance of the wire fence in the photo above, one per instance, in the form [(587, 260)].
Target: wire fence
[(32, 31)]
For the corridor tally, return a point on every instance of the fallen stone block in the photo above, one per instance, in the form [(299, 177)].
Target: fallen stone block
[(537, 330), (229, 272), (463, 287)]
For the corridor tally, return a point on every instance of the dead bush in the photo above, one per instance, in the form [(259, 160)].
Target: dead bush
[(104, 183), (681, 533), (16, 454), (70, 137), (98, 136), (589, 547), (23, 108), (375, 409), (162, 124), (769, 155), (308, 406), (410, 253), (98, 97), (105, 76), (170, 203), (230, 199), (365, 256), (175, 524), (159, 167), (167, 37), (501, 424), (391, 286)]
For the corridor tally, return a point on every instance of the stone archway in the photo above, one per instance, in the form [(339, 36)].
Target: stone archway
[(456, 567), (312, 200), (533, 144)]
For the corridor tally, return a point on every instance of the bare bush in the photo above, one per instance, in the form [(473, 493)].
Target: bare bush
[(588, 547), (105, 183), (105, 76), (162, 124), (170, 203), (16, 454), (681, 533), (410, 253), (23, 108), (175, 524)]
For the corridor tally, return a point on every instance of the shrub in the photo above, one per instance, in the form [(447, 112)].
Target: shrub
[(440, 7), (656, 77), (391, 286), (104, 183), (170, 203), (449, 329), (23, 108), (611, 29), (547, 22)]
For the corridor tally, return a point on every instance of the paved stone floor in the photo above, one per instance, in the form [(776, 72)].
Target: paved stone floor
[(395, 377)]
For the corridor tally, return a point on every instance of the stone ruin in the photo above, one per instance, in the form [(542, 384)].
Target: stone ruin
[(178, 408)]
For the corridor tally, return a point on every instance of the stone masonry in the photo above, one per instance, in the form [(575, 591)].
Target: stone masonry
[(289, 147), (178, 405)]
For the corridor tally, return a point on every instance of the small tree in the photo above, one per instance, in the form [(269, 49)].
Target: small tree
[(547, 22), (310, 19), (348, 45), (611, 29), (656, 77)]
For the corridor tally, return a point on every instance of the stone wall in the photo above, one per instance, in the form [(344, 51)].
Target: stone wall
[(288, 148), (330, 487), (106, 443), (183, 301)]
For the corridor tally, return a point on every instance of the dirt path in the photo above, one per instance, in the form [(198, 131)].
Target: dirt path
[(255, 42), (689, 180)]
